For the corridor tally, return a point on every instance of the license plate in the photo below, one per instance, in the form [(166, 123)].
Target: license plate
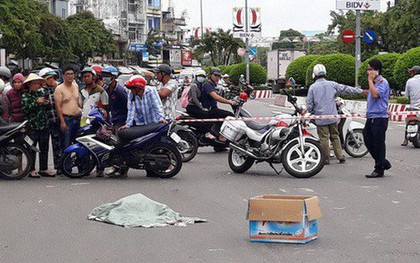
[(175, 137), (412, 128), (29, 140)]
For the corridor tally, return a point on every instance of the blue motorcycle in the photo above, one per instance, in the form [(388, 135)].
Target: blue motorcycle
[(151, 147)]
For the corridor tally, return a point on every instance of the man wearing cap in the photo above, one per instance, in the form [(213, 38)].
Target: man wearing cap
[(35, 106), (412, 91), (50, 77), (321, 101), (168, 91), (91, 95), (209, 99)]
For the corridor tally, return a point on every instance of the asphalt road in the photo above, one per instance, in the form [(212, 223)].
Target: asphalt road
[(364, 220)]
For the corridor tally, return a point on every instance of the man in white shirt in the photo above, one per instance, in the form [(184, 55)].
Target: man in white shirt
[(412, 91)]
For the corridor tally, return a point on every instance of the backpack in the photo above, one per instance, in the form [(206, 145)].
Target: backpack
[(184, 97)]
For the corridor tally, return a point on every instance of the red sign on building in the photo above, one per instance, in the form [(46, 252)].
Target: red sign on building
[(187, 57)]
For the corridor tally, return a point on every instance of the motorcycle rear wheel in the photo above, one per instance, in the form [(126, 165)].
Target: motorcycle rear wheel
[(352, 149), (24, 157), (84, 165), (175, 158)]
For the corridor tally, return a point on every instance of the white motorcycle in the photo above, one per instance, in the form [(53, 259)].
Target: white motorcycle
[(275, 142), (412, 129), (351, 132)]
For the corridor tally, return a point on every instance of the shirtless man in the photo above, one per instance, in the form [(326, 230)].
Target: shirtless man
[(66, 98)]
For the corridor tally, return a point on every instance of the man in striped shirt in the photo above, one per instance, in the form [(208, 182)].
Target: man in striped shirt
[(143, 104)]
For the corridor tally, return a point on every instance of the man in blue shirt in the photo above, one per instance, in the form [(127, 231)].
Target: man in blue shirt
[(117, 97), (209, 99), (321, 101), (377, 118), (144, 105)]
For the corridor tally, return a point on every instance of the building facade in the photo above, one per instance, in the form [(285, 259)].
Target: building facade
[(154, 15), (59, 8), (173, 28), (126, 19)]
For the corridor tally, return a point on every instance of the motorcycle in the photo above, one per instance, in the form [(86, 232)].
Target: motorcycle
[(275, 142), (351, 132), (15, 157), (412, 129), (199, 129), (152, 148)]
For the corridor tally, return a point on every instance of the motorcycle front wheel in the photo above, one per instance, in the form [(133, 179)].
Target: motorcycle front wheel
[(354, 144), (188, 147), (306, 164), (74, 166), (15, 162), (175, 160)]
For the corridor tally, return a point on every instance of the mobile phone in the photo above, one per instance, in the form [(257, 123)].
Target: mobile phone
[(376, 72)]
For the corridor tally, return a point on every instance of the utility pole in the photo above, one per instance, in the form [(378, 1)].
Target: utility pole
[(246, 42), (201, 11), (358, 47)]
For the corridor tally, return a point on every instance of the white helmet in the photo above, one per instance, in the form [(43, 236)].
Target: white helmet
[(200, 73), (319, 71), (43, 73)]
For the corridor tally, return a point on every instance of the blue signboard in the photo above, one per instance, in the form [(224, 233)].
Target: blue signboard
[(369, 36), (252, 51), (135, 47)]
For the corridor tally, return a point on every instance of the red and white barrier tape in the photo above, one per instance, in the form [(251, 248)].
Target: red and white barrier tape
[(310, 117)]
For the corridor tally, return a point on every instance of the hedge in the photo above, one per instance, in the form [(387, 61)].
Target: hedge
[(404, 63), (257, 73), (297, 69), (340, 68), (388, 63), (261, 87), (352, 96), (403, 100)]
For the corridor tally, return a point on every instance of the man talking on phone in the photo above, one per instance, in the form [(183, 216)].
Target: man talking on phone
[(377, 118)]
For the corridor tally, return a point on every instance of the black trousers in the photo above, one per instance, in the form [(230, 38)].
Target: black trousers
[(374, 136), (42, 138), (218, 113), (56, 142), (196, 112)]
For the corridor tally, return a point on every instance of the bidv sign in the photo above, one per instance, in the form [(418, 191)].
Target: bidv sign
[(359, 5)]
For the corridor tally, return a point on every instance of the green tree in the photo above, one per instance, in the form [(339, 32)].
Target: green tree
[(88, 36), (400, 26), (347, 21), (406, 61), (257, 74), (220, 46), (287, 38), (340, 68), (20, 23), (298, 68)]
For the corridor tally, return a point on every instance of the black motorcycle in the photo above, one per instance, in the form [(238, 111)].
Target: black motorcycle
[(200, 129), (15, 157)]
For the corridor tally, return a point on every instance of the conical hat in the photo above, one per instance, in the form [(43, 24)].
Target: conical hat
[(33, 77)]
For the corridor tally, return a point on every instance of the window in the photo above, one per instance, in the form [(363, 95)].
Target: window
[(132, 6), (132, 33), (156, 23), (63, 13), (150, 23), (154, 4), (79, 8)]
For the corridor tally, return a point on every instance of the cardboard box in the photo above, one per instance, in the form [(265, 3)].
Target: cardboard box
[(283, 218)]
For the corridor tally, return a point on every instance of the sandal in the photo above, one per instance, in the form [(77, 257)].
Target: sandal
[(46, 173), (404, 144), (34, 174)]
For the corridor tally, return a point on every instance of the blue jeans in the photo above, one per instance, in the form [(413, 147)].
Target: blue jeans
[(73, 125)]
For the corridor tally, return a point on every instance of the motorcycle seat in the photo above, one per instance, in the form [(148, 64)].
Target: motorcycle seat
[(138, 131), (8, 127), (256, 126)]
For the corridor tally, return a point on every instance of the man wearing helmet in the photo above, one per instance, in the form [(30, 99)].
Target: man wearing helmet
[(321, 101), (143, 104), (91, 95), (168, 91), (209, 99), (117, 97)]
